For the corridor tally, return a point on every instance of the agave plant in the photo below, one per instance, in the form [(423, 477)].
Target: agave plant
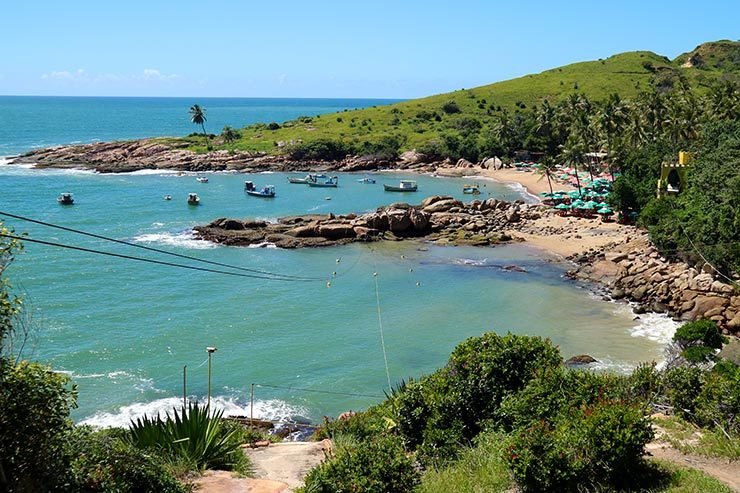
[(193, 435)]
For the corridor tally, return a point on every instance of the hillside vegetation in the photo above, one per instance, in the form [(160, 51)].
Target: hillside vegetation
[(413, 123)]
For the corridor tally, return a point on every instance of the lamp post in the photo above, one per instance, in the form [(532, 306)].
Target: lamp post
[(210, 350)]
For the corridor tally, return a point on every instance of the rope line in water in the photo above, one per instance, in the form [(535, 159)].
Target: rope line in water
[(157, 250), (380, 322), (151, 261), (350, 394)]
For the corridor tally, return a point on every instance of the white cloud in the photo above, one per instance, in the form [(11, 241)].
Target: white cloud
[(66, 75), (154, 74), (148, 74)]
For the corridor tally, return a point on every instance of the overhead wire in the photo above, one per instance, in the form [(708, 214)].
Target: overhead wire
[(156, 250), (152, 261), (380, 321)]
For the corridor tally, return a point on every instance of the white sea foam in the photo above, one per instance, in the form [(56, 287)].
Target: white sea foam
[(656, 327), (264, 244), (185, 239), (473, 262), (148, 172), (274, 410), (522, 190)]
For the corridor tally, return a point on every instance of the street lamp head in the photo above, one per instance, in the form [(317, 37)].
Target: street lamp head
[(211, 349)]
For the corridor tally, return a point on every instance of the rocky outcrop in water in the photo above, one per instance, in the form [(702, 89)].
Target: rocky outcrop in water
[(636, 271), (441, 219), (163, 153)]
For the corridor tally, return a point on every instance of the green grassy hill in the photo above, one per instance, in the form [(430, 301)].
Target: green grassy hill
[(417, 121)]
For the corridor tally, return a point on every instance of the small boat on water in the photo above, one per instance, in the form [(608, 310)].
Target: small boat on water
[(306, 179), (331, 182), (266, 191), (403, 186), (202, 179), (367, 180), (471, 189), (66, 199), (168, 197), (193, 199)]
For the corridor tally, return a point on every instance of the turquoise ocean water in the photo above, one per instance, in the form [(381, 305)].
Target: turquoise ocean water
[(124, 330)]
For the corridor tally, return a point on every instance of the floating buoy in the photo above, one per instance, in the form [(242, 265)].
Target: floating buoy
[(411, 270), (418, 284), (375, 274), (328, 284), (334, 273), (339, 260), (327, 198), (403, 256)]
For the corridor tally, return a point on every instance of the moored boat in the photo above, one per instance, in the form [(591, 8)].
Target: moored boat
[(193, 199), (332, 182), (403, 186), (66, 199), (266, 191), (202, 179), (471, 189), (367, 180)]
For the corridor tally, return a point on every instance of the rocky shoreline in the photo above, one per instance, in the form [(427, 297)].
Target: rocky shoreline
[(441, 219), (148, 154), (635, 271)]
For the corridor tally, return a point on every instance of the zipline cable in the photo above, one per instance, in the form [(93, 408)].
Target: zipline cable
[(157, 250), (151, 261), (380, 322), (317, 391)]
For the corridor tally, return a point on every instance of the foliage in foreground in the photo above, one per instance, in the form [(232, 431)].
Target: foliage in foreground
[(379, 465), (104, 461), (194, 435), (504, 407)]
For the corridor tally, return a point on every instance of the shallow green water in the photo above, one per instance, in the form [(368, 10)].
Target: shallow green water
[(124, 330)]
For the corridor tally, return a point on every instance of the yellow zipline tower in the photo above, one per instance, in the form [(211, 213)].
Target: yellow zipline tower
[(673, 175)]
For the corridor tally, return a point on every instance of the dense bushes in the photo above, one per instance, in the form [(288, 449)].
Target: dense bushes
[(448, 408), (103, 461), (321, 149), (580, 447), (34, 416), (379, 465)]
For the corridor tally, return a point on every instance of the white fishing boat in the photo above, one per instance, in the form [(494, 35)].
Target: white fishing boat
[(403, 186)]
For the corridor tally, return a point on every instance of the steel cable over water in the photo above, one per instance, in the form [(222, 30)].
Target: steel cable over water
[(157, 250), (152, 261)]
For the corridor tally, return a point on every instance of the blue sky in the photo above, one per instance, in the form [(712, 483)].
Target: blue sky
[(351, 48)]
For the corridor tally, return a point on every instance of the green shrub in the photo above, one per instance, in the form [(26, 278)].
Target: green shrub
[(447, 409), (104, 461), (718, 402), (580, 448), (698, 340), (34, 415), (321, 149), (557, 390), (194, 435), (683, 386), (450, 107), (362, 426), (378, 466)]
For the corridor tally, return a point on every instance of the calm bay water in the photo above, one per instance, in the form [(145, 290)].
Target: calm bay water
[(123, 329)]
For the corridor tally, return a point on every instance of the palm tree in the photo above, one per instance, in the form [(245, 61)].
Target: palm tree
[(198, 117), (230, 135), (546, 168), (572, 152)]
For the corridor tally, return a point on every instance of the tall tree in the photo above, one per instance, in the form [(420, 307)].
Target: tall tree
[(198, 117)]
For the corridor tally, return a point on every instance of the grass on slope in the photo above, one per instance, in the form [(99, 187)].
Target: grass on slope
[(420, 120), (480, 469)]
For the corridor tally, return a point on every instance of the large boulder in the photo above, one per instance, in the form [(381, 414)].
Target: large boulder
[(398, 220), (464, 163), (412, 157), (336, 231), (702, 282), (704, 305), (491, 163), (419, 219), (434, 198), (303, 231), (442, 206)]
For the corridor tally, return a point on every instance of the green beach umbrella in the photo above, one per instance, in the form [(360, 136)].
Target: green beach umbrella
[(591, 204), (605, 210), (562, 206)]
